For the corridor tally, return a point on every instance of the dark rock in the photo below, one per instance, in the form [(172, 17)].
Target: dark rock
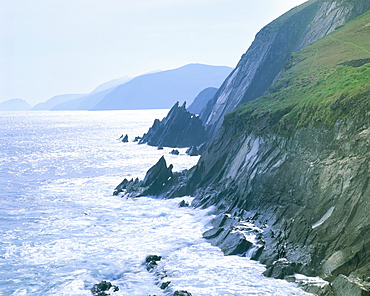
[(182, 293), (137, 139), (124, 139), (102, 289), (192, 151), (175, 152), (179, 129), (126, 185), (159, 147), (280, 269), (183, 204), (235, 243), (157, 177), (151, 261), (164, 285)]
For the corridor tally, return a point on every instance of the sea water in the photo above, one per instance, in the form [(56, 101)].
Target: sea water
[(62, 230)]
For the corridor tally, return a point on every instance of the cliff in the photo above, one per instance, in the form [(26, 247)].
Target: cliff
[(296, 163), (264, 61)]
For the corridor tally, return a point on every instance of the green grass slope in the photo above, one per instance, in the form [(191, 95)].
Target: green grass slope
[(327, 81)]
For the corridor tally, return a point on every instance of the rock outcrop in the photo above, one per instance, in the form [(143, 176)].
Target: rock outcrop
[(178, 129), (266, 58)]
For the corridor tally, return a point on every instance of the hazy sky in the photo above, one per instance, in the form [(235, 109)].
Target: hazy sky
[(51, 47)]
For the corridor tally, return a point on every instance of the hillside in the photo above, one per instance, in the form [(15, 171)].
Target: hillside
[(15, 105), (54, 101), (162, 89)]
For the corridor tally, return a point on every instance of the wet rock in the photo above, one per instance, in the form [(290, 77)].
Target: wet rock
[(182, 293), (151, 261), (175, 152), (159, 148), (164, 285), (280, 269), (183, 204), (235, 243), (192, 151), (103, 288), (343, 286)]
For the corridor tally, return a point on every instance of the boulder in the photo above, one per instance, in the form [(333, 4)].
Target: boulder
[(103, 288), (175, 152), (151, 261), (182, 293)]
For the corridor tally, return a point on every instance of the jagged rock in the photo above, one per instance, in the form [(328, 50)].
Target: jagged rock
[(103, 288), (192, 151), (280, 269), (126, 185), (344, 286), (178, 129), (175, 152), (124, 139), (157, 177), (137, 138), (182, 293)]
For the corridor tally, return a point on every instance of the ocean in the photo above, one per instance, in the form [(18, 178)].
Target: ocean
[(62, 231)]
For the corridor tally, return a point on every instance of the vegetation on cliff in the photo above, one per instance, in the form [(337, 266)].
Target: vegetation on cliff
[(326, 81)]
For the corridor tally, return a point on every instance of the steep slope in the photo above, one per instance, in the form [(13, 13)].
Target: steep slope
[(296, 162), (15, 105), (163, 89), (264, 61), (56, 100), (202, 99)]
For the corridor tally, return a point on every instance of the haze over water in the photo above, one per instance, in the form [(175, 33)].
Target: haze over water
[(62, 231)]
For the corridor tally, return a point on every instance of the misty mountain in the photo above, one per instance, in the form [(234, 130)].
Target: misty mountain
[(56, 100), (111, 84), (15, 105), (162, 89), (202, 99)]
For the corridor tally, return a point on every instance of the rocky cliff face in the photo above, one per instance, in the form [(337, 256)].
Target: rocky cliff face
[(296, 163), (264, 61)]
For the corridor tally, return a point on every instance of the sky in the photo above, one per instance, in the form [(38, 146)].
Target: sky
[(53, 47)]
